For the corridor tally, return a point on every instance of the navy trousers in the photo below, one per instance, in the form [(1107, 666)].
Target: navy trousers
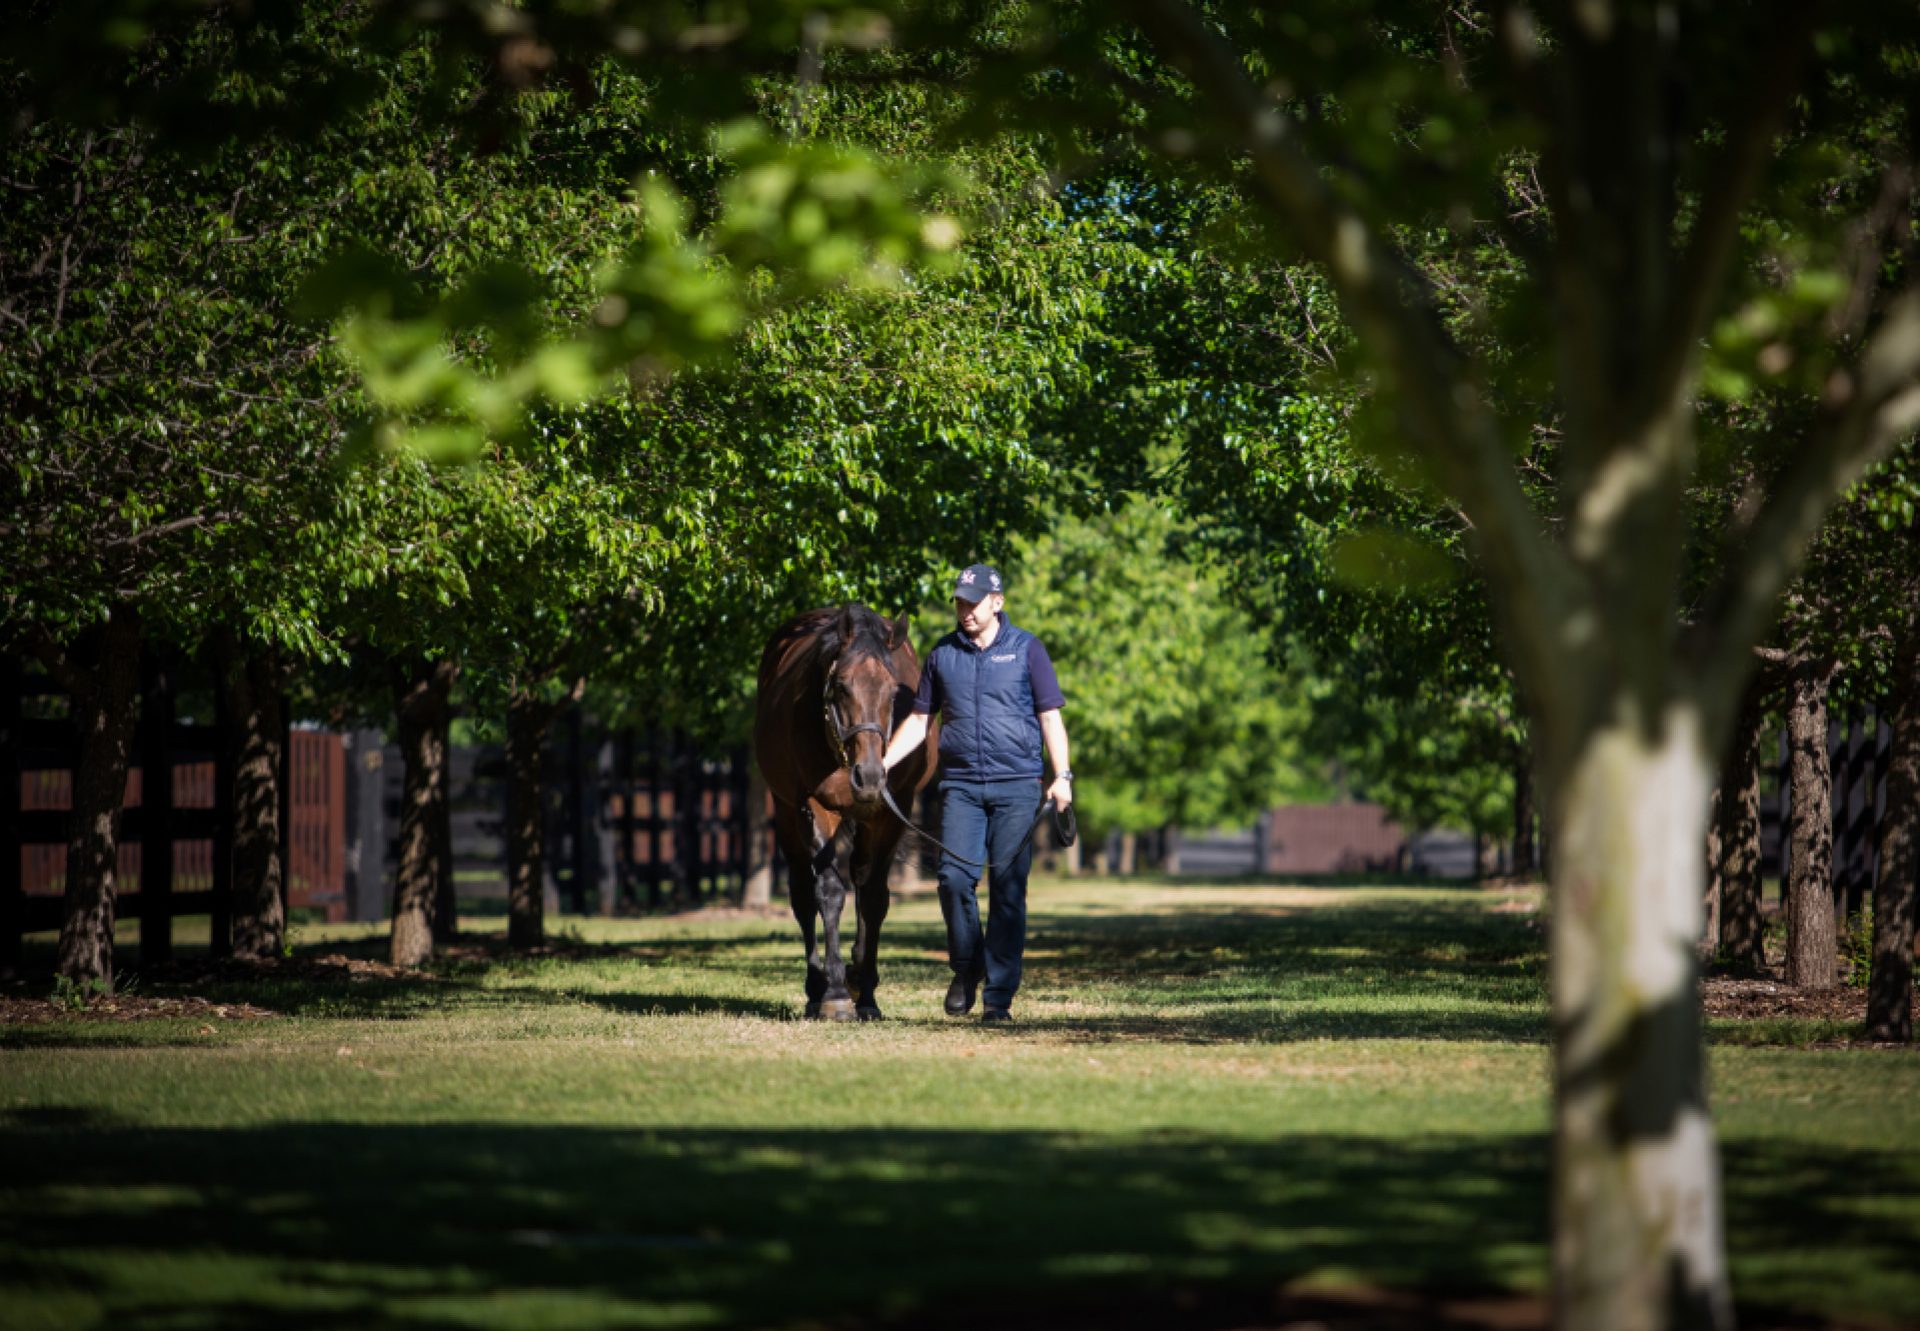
[(984, 821)]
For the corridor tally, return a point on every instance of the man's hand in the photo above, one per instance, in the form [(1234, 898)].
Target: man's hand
[(1060, 792)]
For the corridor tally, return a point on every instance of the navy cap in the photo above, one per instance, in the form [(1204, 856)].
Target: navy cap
[(978, 581)]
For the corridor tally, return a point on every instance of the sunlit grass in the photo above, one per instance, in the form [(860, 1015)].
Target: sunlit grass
[(1214, 1086)]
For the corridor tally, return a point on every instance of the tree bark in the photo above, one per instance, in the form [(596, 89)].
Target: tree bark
[(421, 689), (1737, 834), (1890, 986), (1170, 849), (1525, 862), (529, 721), (759, 848), (1129, 854), (1813, 948), (1637, 1226), (102, 675), (257, 704)]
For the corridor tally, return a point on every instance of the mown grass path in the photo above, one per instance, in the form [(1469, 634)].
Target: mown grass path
[(1213, 1091)]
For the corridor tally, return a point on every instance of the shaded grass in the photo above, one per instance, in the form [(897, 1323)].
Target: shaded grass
[(1212, 1087)]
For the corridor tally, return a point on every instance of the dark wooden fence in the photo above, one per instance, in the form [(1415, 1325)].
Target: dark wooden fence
[(175, 830), (635, 819)]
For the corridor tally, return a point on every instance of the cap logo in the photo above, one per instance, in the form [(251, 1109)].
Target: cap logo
[(967, 578), (994, 580)]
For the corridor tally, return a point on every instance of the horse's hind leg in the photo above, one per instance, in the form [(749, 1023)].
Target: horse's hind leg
[(796, 834)]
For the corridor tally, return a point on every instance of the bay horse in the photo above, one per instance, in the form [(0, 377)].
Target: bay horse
[(834, 684)]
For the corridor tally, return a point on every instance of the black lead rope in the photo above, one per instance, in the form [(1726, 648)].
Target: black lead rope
[(1065, 825)]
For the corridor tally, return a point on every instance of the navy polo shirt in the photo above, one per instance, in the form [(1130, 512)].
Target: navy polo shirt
[(990, 703)]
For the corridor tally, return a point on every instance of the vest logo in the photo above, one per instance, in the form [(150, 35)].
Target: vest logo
[(1008, 657)]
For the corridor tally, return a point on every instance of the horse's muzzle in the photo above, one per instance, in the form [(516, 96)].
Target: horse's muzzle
[(868, 780)]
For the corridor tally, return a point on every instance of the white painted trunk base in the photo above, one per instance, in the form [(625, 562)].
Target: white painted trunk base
[(1638, 1241)]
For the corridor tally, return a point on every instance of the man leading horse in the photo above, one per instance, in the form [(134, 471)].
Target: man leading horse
[(999, 702), (834, 685)]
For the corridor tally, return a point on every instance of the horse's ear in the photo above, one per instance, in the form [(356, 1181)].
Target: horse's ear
[(897, 633), (843, 628)]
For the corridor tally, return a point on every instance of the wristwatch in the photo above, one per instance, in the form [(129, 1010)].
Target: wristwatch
[(1064, 774)]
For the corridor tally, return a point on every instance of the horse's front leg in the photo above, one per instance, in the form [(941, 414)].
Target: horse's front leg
[(830, 890), (794, 827), (874, 844)]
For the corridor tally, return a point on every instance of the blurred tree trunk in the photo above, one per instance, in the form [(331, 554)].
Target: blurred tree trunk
[(1633, 1138), (1125, 860), (1813, 948), (100, 671), (256, 702), (1890, 988), (1736, 865), (1170, 849), (421, 691)]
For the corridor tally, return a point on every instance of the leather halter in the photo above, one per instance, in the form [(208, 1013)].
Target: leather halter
[(838, 732)]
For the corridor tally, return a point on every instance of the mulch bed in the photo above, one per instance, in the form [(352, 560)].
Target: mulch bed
[(16, 1011), (1765, 998)]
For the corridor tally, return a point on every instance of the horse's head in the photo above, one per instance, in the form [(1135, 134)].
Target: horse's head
[(860, 692)]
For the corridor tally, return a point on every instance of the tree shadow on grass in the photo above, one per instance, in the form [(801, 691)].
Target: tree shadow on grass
[(319, 1225)]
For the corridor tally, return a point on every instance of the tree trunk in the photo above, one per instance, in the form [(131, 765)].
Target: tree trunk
[(529, 720), (105, 667), (446, 902), (1710, 927), (1525, 863), (1890, 987), (1813, 949), (1129, 852), (257, 704), (421, 690), (1072, 863), (1737, 834), (759, 848), (1636, 1214), (1170, 849)]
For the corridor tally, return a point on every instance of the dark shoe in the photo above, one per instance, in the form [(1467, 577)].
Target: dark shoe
[(960, 995), (997, 1015)]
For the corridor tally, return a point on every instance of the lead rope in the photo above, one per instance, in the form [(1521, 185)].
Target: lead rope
[(1065, 825)]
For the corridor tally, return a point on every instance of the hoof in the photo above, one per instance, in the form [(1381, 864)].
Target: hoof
[(813, 1011), (836, 1009), (870, 1012)]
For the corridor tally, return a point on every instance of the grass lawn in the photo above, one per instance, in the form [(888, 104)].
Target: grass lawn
[(1214, 1091)]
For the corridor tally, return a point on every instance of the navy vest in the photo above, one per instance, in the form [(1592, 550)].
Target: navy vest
[(988, 731)]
